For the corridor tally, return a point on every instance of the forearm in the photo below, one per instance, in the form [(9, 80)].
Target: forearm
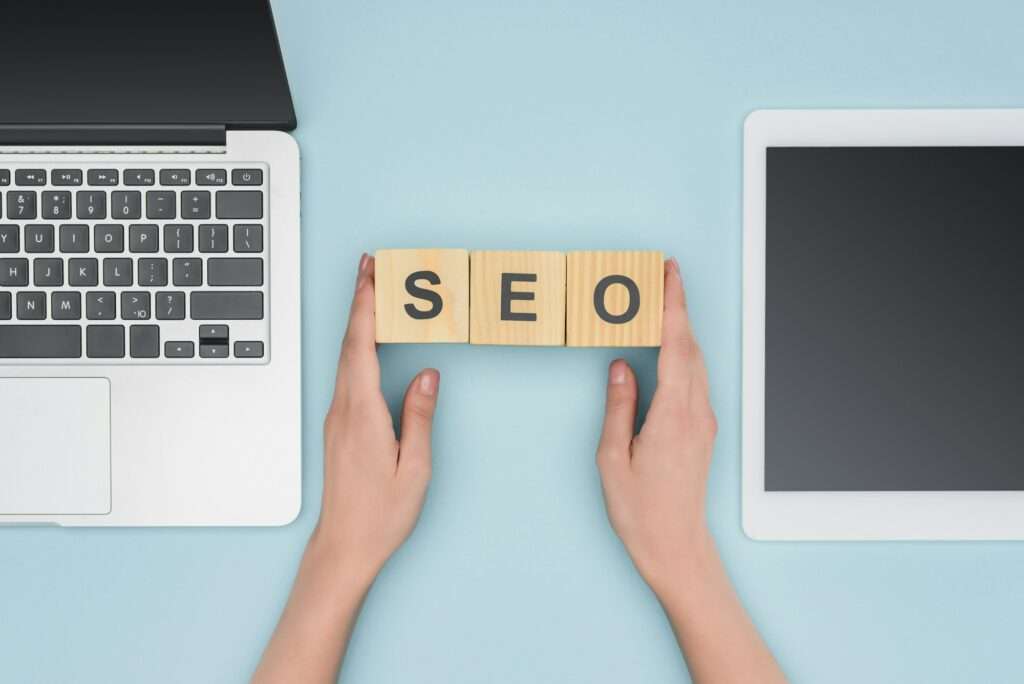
[(310, 640), (718, 640)]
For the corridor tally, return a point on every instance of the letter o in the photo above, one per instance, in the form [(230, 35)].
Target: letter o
[(632, 309)]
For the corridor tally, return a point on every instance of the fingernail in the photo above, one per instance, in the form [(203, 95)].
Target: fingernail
[(617, 372), (429, 380), (675, 264)]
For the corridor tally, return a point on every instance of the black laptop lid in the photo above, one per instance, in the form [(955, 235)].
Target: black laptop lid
[(142, 63)]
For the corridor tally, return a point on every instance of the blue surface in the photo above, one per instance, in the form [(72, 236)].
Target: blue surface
[(544, 125)]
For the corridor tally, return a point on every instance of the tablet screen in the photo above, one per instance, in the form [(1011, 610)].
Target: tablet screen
[(894, 334)]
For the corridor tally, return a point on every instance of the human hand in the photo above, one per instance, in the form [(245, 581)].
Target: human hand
[(374, 487), (374, 483), (654, 482)]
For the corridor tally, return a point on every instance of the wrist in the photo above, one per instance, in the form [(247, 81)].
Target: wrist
[(343, 572), (688, 571)]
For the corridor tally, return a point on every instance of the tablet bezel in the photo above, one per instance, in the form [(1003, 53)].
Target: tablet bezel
[(852, 515)]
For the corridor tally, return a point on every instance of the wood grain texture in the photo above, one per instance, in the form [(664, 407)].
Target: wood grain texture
[(547, 306), (585, 270), (393, 322)]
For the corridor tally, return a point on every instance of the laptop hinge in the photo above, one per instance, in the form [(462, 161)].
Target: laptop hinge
[(107, 134)]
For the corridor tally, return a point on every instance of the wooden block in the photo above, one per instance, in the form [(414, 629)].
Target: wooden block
[(517, 298), (615, 299), (422, 295)]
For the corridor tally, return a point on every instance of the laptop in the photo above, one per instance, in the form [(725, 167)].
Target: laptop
[(149, 266)]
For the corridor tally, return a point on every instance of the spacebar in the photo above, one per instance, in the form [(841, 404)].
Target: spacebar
[(40, 341)]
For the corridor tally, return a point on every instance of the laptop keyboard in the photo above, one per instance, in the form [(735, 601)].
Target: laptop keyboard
[(155, 264)]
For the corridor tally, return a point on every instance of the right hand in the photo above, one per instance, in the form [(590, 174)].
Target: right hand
[(654, 482)]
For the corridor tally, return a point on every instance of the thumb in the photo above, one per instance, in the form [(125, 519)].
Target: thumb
[(417, 421), (619, 417)]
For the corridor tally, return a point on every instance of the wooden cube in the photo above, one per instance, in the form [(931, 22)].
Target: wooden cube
[(517, 298), (615, 299), (422, 295)]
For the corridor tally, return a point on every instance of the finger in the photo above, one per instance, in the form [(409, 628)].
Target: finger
[(358, 368), (619, 417), (680, 362), (676, 337), (418, 421)]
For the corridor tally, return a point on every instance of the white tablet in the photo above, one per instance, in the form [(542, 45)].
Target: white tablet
[(883, 336)]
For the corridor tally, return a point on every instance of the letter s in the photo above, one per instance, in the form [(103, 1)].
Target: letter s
[(436, 303)]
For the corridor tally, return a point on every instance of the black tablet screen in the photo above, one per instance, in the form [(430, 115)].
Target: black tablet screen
[(895, 319)]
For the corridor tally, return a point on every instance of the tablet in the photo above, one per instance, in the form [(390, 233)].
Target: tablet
[(883, 337)]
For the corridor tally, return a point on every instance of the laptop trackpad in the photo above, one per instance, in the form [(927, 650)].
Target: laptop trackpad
[(54, 446)]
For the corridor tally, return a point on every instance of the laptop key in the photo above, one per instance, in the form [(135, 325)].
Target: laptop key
[(31, 306), (153, 272), (83, 272), (234, 272), (188, 272), (100, 306), (135, 306), (195, 204), (126, 205), (57, 205), (211, 177), (91, 205), (248, 350), (179, 350), (213, 351), (213, 237), (226, 306), (144, 237), (248, 237), (104, 341), (13, 272), (5, 176), (10, 240), (30, 177), (175, 176), (139, 177), (41, 342), (117, 272), (214, 334), (109, 238), (74, 238), (66, 177), (21, 205), (39, 239), (102, 176), (240, 204), (170, 306), (160, 205), (145, 341), (178, 237), (66, 306), (48, 272), (246, 177), (5, 306)]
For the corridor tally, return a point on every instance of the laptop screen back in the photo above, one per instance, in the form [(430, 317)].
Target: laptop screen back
[(134, 62)]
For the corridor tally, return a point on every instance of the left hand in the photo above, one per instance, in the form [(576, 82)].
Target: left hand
[(374, 483)]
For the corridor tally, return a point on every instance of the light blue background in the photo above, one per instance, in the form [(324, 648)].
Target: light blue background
[(544, 125)]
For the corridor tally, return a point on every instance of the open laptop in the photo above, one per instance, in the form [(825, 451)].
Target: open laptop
[(149, 266)]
